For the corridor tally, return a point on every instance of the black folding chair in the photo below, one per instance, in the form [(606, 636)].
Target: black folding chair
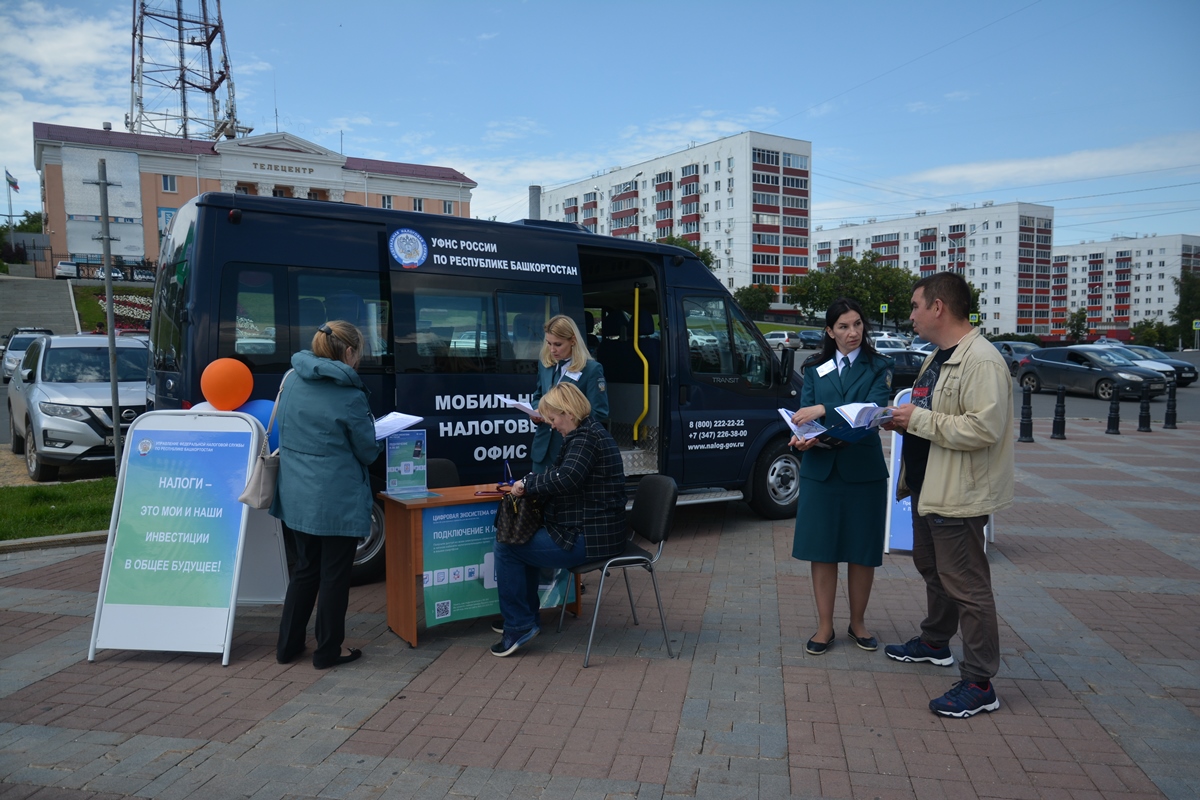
[(651, 517)]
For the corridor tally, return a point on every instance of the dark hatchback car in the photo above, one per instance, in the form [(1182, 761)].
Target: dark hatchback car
[(812, 340), (1013, 352), (1090, 370), (1185, 372), (908, 365)]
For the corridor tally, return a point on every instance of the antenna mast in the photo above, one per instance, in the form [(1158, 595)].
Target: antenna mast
[(175, 79)]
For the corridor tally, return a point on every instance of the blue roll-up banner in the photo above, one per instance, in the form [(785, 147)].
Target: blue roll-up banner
[(178, 537), (899, 512)]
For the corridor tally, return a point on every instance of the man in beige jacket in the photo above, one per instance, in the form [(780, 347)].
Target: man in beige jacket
[(958, 468)]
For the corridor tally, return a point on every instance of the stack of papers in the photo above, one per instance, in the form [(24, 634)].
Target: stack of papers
[(519, 406), (394, 422)]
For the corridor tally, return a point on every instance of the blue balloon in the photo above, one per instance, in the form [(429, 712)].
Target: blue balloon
[(261, 411)]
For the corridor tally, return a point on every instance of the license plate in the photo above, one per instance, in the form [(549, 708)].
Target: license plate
[(1157, 386), (108, 441)]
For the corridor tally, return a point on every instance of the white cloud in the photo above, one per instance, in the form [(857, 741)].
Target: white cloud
[(959, 96), (483, 37), (821, 110), (59, 67), (500, 131), (1158, 153), (920, 107)]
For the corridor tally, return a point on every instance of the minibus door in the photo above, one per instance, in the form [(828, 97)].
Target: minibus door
[(729, 390)]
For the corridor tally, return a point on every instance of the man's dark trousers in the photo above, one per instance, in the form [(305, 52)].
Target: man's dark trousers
[(949, 554)]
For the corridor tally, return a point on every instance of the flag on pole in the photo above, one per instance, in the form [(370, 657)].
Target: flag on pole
[(12, 182)]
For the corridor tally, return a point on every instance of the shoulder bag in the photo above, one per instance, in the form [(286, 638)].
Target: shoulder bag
[(517, 518), (260, 488)]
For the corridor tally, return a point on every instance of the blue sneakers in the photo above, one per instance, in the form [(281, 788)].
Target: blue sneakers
[(511, 643), (916, 650), (964, 700)]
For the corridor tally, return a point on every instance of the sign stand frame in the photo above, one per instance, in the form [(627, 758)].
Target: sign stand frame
[(155, 629)]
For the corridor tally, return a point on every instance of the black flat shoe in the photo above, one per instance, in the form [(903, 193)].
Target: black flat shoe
[(287, 659), (868, 643), (354, 655), (815, 648)]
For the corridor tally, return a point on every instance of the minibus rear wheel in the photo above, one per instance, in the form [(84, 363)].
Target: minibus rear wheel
[(369, 558), (776, 481)]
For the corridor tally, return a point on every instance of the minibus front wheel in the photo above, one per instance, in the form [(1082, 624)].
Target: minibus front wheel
[(369, 559), (776, 481)]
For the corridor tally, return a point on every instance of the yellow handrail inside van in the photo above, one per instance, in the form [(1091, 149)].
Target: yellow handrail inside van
[(637, 297)]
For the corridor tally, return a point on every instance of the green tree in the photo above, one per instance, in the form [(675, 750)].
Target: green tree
[(1077, 325), (31, 222), (754, 299), (705, 254), (1151, 332), (1187, 286)]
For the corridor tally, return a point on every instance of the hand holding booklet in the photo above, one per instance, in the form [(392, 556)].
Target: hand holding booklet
[(865, 415), (391, 423), (858, 420)]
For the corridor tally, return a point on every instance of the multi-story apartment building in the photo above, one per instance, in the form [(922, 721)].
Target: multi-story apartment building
[(745, 197), (152, 176), (1121, 282), (1004, 250)]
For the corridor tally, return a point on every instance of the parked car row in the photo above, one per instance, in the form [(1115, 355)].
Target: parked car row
[(60, 401), (1091, 369), (69, 269)]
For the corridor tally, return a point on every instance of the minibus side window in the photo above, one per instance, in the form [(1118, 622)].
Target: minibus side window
[(323, 295), (523, 318), (708, 336), (447, 331)]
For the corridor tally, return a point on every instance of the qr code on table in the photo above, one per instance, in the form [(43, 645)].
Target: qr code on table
[(441, 609)]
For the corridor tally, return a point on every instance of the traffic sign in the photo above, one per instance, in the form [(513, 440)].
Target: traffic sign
[(974, 318), (1196, 324), (883, 308)]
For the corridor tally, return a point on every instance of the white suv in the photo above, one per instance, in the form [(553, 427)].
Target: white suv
[(66, 269)]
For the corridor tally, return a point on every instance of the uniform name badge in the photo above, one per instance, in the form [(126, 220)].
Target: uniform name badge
[(826, 368)]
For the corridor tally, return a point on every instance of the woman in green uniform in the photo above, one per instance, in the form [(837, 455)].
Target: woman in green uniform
[(843, 490)]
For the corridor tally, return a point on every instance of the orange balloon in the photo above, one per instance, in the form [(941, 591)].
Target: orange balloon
[(226, 383)]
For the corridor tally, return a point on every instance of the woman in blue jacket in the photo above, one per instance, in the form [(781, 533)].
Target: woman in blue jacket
[(843, 490), (565, 357), (326, 442)]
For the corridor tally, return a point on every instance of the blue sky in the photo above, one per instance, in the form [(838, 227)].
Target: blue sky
[(1089, 106)]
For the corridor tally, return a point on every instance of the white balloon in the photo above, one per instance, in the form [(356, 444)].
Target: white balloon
[(205, 406)]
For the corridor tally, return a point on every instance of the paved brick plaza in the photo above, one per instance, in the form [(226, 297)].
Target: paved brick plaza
[(1097, 571)]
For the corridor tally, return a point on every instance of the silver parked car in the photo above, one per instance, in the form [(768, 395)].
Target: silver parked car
[(60, 400)]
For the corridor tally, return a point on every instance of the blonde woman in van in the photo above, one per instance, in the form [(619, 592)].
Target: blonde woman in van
[(565, 359)]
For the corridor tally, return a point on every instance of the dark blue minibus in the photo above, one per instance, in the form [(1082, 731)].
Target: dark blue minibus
[(452, 311)]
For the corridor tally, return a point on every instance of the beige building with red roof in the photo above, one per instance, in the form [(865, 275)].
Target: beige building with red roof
[(155, 175)]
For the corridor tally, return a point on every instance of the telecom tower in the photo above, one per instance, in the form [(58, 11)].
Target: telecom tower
[(176, 82)]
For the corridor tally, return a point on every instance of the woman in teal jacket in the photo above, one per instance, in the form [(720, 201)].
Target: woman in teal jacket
[(326, 442), (842, 509), (565, 357)]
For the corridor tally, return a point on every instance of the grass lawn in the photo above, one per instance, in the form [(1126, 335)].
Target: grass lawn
[(76, 507), (767, 327)]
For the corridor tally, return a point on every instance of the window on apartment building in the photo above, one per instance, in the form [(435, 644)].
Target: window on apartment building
[(717, 206), (277, 192), (419, 204), (999, 224), (385, 201), (731, 279), (447, 206), (729, 165), (168, 183)]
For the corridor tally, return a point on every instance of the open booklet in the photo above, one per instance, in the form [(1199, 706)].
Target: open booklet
[(519, 406), (394, 422), (860, 420), (864, 415)]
